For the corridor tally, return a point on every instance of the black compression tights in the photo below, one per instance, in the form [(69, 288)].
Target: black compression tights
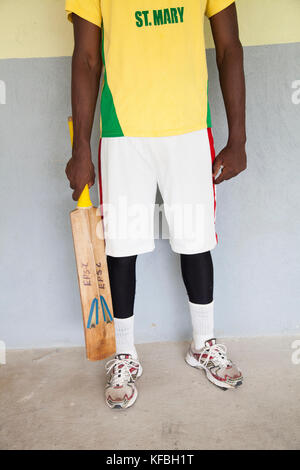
[(197, 273), (122, 284), (198, 277)]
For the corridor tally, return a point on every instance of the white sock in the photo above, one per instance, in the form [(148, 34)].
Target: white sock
[(203, 323), (124, 329)]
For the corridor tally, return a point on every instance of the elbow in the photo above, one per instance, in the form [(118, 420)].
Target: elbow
[(94, 64), (233, 50), (91, 62)]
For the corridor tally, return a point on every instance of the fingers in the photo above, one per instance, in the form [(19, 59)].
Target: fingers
[(92, 181), (225, 174), (93, 177), (219, 179), (217, 165), (80, 173), (229, 163), (67, 169), (77, 192)]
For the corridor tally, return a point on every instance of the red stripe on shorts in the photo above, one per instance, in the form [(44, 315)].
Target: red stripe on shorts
[(100, 178), (213, 156)]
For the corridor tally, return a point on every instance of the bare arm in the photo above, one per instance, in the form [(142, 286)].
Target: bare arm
[(229, 54), (86, 71)]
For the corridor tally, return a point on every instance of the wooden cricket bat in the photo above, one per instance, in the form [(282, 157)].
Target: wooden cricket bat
[(93, 278)]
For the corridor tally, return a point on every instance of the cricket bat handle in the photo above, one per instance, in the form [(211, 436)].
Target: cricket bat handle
[(84, 200)]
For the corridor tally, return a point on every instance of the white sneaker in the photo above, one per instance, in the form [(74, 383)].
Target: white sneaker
[(213, 359), (120, 390)]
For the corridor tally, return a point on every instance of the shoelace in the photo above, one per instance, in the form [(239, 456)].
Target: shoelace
[(216, 353), (121, 374)]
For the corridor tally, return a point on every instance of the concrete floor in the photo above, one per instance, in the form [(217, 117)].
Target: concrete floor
[(53, 399)]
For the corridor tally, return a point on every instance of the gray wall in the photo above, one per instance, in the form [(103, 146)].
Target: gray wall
[(257, 260)]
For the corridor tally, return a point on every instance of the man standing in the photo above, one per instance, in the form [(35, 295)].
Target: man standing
[(156, 130)]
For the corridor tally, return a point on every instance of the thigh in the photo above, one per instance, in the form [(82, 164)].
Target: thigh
[(128, 186), (186, 183)]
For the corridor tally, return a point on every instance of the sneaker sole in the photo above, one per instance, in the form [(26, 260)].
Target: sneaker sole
[(191, 361), (139, 372)]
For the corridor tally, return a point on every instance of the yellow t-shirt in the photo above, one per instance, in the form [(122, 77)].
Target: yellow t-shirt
[(155, 73)]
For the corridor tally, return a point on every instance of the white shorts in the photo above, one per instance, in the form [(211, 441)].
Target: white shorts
[(130, 168)]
